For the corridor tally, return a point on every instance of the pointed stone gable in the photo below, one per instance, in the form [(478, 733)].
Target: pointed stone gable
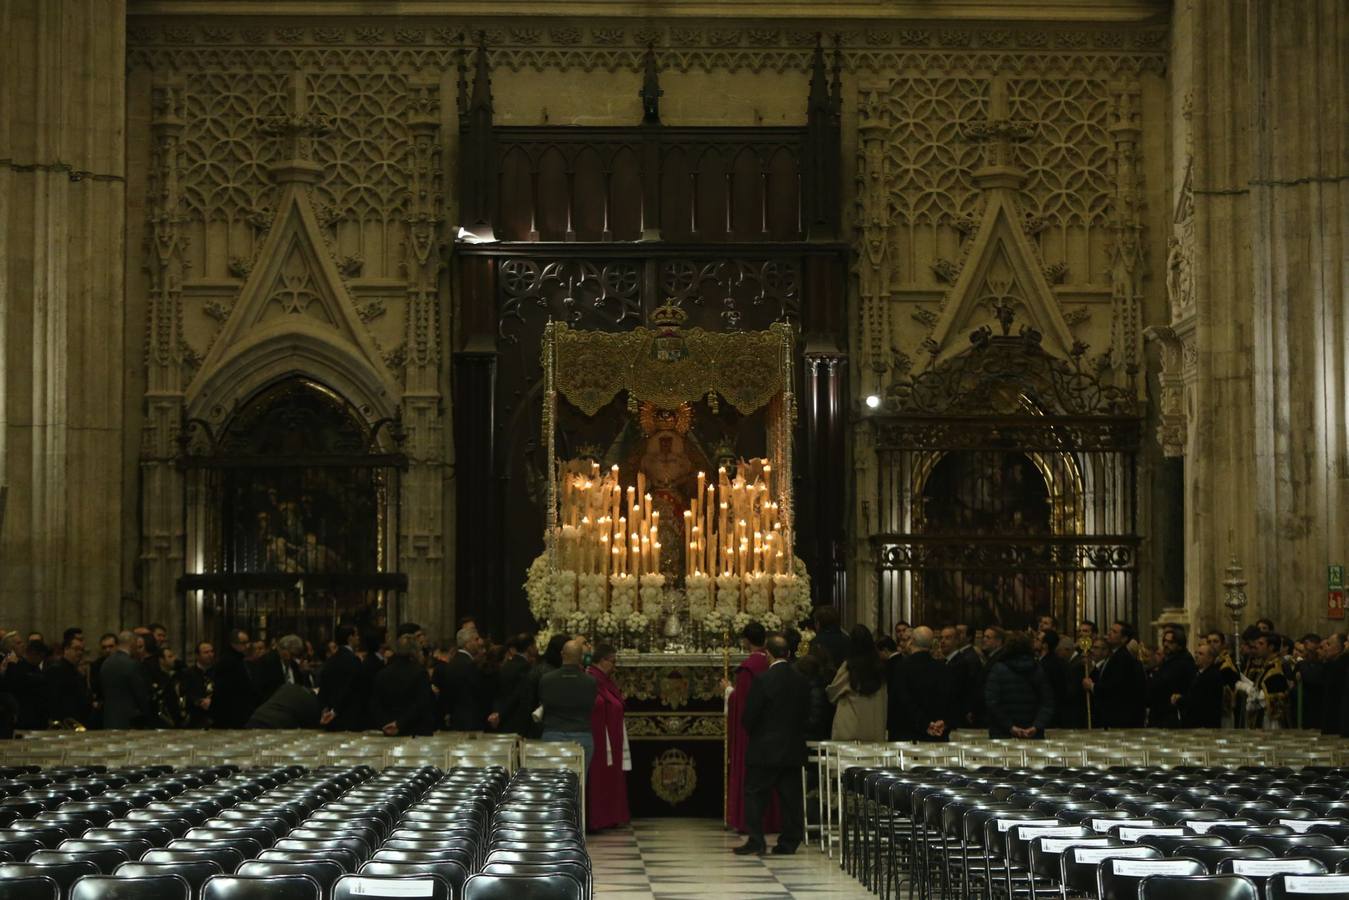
[(1003, 269), (294, 290)]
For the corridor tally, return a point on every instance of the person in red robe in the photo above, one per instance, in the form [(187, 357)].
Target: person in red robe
[(757, 663), (607, 782)]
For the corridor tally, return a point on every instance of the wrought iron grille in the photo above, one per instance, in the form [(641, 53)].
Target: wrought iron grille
[(291, 517), (1007, 490)]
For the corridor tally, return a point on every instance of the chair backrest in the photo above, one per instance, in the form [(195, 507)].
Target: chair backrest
[(453, 871), (1213, 856), (18, 850), (125, 887), (245, 847), (29, 887), (1321, 887), (523, 887), (194, 872), (581, 873), (104, 860), (1078, 865), (427, 886), (227, 858), (63, 873), (343, 859), (1260, 870), (1197, 887), (1118, 879), (324, 871), (261, 887), (353, 844), (1281, 844)]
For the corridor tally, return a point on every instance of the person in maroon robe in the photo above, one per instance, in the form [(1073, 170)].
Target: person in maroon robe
[(607, 783), (757, 663)]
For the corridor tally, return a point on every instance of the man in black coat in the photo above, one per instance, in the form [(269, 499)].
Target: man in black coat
[(67, 686), (280, 666), (829, 636), (401, 703), (1076, 665), (1171, 677), (459, 683), (775, 719), (1046, 644), (1334, 674), (1118, 686), (126, 692), (966, 679), (1200, 704), (199, 687), (24, 680), (514, 700), (234, 699), (344, 694), (921, 707)]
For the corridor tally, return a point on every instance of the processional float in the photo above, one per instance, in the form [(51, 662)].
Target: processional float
[(655, 553)]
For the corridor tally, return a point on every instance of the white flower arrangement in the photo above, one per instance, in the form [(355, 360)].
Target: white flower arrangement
[(738, 624), (771, 622), (578, 622), (542, 638), (622, 595), (714, 622), (636, 623), (757, 594), (606, 624), (728, 594), (698, 590), (536, 588), (652, 583), (590, 593), (564, 594)]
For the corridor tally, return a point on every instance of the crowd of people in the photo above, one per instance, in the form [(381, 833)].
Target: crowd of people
[(918, 684)]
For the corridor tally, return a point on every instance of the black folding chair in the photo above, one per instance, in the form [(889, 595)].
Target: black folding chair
[(1198, 887), (29, 887), (523, 887), (1119, 879), (126, 887), (194, 873), (1321, 887), (263, 887), (426, 886)]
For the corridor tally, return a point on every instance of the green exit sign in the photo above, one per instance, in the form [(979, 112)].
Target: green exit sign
[(1334, 576)]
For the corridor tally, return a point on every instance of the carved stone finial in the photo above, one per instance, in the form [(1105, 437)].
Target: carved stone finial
[(819, 103), (482, 80), (651, 91), (297, 129), (998, 134)]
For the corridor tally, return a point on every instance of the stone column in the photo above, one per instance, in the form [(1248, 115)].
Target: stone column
[(62, 246), (1269, 471)]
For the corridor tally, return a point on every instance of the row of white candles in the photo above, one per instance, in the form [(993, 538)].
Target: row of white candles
[(600, 533), (733, 527)]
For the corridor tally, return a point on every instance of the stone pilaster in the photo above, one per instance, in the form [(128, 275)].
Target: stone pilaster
[(62, 234), (1269, 470)]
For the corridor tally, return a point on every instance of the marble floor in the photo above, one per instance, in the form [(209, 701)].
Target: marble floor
[(670, 859)]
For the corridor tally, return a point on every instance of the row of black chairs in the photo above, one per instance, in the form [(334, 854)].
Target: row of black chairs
[(288, 834), (1095, 833)]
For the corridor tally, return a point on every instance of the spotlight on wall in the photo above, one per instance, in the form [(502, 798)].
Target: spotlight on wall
[(873, 401)]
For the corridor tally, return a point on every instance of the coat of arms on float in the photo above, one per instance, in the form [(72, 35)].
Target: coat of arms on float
[(674, 776)]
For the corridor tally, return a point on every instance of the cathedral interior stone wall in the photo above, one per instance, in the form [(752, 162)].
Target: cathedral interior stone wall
[(269, 187)]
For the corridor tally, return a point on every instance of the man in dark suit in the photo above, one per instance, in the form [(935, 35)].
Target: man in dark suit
[(67, 687), (234, 698), (966, 678), (1334, 673), (1171, 677), (199, 687), (281, 666), (921, 707), (1056, 673), (1076, 666), (775, 719), (1200, 704), (401, 703), (344, 694), (459, 682), (830, 636), (514, 701), (1118, 686), (126, 693)]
